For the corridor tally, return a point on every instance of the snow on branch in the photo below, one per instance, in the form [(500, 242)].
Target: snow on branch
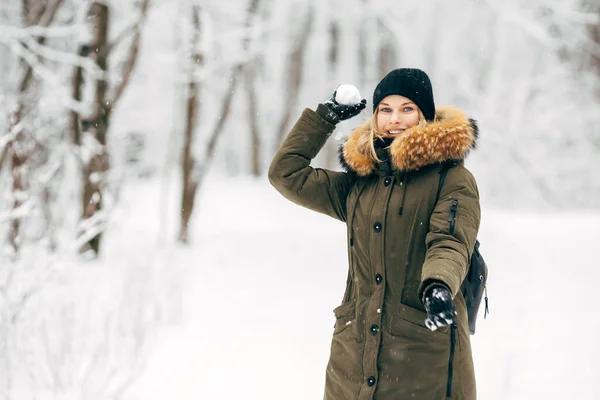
[(10, 136), (43, 72), (64, 57), (20, 212), (90, 228), (9, 32)]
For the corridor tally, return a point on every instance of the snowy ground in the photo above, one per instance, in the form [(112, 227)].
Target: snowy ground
[(257, 317)]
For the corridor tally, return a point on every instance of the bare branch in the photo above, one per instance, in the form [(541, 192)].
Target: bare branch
[(133, 54), (44, 20), (10, 136), (295, 68), (23, 210), (227, 100), (64, 57), (48, 16), (233, 80), (131, 29), (90, 228), (52, 32)]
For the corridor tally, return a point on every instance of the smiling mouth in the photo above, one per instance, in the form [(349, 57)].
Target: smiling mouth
[(395, 131)]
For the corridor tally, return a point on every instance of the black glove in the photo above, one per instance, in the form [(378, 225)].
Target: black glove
[(439, 304), (333, 112)]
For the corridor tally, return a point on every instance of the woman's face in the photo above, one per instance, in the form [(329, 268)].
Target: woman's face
[(395, 114)]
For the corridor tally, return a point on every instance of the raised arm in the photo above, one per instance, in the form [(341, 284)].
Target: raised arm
[(290, 172)]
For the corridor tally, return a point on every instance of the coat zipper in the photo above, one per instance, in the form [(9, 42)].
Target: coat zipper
[(451, 360), (404, 185), (452, 215)]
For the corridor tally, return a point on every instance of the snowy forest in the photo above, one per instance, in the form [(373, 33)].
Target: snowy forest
[(133, 131)]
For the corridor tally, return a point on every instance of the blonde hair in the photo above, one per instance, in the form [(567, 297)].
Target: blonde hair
[(366, 143)]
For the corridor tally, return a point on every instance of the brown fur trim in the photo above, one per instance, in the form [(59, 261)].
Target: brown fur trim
[(358, 162), (449, 137)]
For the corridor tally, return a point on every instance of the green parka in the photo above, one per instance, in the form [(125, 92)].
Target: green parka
[(398, 239)]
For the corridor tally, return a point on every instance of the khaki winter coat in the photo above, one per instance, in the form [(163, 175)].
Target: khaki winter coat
[(398, 239)]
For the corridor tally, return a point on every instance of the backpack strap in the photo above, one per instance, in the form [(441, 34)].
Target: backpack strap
[(443, 172)]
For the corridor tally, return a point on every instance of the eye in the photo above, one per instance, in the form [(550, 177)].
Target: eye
[(408, 109), (385, 109)]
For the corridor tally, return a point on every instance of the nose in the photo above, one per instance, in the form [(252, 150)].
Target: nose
[(395, 119)]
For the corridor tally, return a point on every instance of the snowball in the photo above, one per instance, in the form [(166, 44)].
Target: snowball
[(347, 95)]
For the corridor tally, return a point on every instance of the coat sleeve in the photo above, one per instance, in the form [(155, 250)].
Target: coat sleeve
[(290, 172), (453, 229)]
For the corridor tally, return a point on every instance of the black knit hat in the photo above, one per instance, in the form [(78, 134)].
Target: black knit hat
[(408, 82)]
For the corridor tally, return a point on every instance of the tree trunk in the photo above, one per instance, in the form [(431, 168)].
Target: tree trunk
[(333, 57), (250, 86), (20, 178), (92, 131), (294, 76), (198, 169), (594, 36), (96, 127), (76, 86), (18, 149), (189, 183), (255, 143)]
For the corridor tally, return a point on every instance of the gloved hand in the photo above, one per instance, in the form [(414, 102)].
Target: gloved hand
[(438, 301), (333, 112)]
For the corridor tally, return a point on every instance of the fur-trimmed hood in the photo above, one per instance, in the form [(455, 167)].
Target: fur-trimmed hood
[(450, 136)]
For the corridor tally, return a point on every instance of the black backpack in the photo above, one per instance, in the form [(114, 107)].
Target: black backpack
[(474, 286)]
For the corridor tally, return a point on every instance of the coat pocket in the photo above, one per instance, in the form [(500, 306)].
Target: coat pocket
[(409, 322), (345, 315), (416, 354)]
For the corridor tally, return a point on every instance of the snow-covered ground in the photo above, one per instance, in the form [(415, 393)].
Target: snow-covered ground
[(266, 274)]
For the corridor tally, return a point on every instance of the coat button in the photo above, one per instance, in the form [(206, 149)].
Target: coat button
[(371, 381), (378, 279), (374, 329), (387, 181), (377, 227)]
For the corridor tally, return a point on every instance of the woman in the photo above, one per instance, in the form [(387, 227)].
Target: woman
[(401, 331)]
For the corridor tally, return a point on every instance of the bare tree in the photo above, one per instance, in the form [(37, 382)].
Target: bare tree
[(295, 71), (91, 132), (20, 145), (190, 184), (195, 169), (249, 71), (255, 141)]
